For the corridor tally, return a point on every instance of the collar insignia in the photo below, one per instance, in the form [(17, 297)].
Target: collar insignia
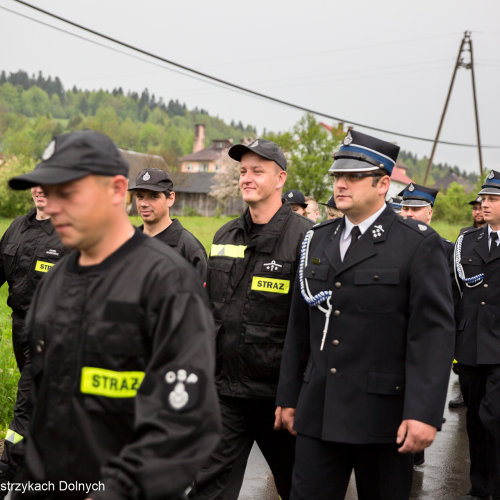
[(422, 227), (377, 231)]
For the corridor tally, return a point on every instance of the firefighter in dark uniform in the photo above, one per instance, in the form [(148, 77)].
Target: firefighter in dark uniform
[(417, 203), (120, 336), (369, 344), (251, 270), (28, 250), (477, 259), (477, 215), (154, 197)]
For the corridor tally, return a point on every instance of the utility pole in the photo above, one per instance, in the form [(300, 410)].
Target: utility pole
[(465, 46)]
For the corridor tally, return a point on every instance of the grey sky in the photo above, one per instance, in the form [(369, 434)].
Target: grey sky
[(386, 63)]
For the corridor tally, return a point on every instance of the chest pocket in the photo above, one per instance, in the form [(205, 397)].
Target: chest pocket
[(370, 285), (9, 257), (218, 274)]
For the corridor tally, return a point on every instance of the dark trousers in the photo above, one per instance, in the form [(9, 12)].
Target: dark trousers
[(481, 391), (243, 422), (9, 461), (322, 470)]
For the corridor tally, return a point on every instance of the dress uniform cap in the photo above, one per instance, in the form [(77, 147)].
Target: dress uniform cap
[(491, 184), (477, 200), (262, 147), (69, 157), (330, 203), (415, 195), (153, 179), (395, 203), (295, 197), (363, 153)]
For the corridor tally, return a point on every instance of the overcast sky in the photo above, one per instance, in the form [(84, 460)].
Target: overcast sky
[(385, 63)]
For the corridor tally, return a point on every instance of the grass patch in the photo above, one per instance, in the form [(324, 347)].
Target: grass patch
[(446, 230)]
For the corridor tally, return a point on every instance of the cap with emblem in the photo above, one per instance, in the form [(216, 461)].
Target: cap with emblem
[(415, 195), (70, 157), (262, 147), (478, 200), (330, 203), (395, 203), (491, 184), (295, 197), (363, 153), (153, 179)]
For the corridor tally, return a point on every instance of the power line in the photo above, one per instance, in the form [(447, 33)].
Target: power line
[(239, 87)]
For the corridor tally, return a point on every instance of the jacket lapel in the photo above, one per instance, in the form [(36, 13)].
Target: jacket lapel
[(481, 247), (366, 246), (332, 249)]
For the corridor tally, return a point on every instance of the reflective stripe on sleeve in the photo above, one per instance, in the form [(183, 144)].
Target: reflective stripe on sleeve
[(109, 383), (234, 251), (13, 437)]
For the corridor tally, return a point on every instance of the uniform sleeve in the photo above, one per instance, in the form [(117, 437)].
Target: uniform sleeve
[(295, 351), (199, 262), (3, 277), (177, 423), (431, 334)]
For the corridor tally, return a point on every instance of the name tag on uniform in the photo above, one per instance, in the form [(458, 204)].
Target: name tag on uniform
[(272, 285), (109, 383), (42, 266)]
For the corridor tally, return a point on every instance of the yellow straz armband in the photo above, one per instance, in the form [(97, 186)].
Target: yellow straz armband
[(111, 384), (42, 266), (234, 251), (272, 285)]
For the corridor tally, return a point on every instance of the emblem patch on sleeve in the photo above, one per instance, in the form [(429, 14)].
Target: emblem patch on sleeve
[(183, 389)]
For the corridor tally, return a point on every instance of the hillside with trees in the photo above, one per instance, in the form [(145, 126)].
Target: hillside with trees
[(33, 109)]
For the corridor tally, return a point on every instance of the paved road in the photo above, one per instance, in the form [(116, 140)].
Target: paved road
[(444, 476)]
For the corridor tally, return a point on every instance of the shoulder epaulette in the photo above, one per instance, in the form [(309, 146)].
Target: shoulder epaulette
[(419, 227), (326, 223)]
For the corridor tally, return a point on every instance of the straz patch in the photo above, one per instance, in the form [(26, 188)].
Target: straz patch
[(109, 383), (271, 285), (42, 266)]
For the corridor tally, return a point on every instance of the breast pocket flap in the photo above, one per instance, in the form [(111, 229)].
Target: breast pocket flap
[(389, 384), (316, 272), (376, 277)]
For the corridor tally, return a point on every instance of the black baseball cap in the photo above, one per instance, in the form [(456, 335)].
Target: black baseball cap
[(70, 157), (153, 179), (330, 203), (295, 197), (262, 147), (477, 201)]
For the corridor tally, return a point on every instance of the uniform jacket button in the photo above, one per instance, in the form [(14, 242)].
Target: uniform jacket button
[(483, 303), (485, 285), (313, 273), (335, 342), (39, 346), (376, 277), (397, 388), (336, 312), (333, 371), (338, 284)]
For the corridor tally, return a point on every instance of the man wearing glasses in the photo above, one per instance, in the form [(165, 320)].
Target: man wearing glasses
[(369, 344)]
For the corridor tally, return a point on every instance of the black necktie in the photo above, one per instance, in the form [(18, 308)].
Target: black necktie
[(493, 244), (355, 232)]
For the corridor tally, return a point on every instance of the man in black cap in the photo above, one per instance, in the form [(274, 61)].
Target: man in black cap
[(395, 204), (417, 203), (296, 200), (369, 344), (29, 249), (477, 215), (332, 211), (251, 270), (120, 336), (477, 346), (154, 197)]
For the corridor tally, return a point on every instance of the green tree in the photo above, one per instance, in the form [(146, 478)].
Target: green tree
[(453, 206), (35, 102), (309, 148)]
